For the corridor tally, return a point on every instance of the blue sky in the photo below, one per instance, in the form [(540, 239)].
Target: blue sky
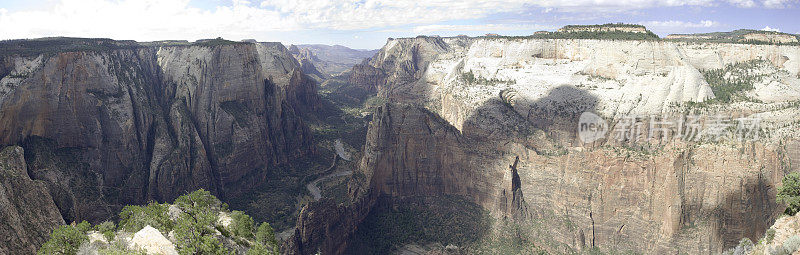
[(367, 24)]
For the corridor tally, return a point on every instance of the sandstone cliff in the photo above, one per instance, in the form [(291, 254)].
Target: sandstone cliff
[(448, 130), (27, 212), (107, 127)]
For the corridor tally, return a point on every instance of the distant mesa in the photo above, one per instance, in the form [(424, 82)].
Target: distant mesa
[(739, 36), (623, 31), (609, 31), (610, 27)]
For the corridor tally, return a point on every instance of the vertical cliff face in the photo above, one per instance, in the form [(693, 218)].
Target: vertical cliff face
[(27, 212), (84, 119), (244, 101), (682, 199), (122, 126), (463, 110)]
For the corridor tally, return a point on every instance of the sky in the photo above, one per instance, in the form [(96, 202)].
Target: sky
[(366, 24)]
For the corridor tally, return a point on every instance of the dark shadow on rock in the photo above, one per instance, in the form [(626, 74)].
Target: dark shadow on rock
[(747, 209), (413, 152), (447, 220)]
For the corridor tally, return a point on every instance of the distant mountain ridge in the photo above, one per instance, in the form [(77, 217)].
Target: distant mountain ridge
[(740, 35), (330, 59)]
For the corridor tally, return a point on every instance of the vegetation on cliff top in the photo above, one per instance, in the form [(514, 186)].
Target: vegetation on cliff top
[(216, 42), (604, 25), (195, 224), (53, 45), (789, 193)]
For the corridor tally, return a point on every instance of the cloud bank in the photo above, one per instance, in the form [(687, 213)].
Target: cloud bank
[(178, 19)]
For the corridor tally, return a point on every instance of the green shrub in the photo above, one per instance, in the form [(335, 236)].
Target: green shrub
[(242, 225), (770, 235), (133, 218), (199, 200), (259, 249), (265, 236), (106, 228), (471, 78), (194, 234), (789, 193), (194, 231), (66, 239), (116, 250)]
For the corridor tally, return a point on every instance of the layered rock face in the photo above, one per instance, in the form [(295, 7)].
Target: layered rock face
[(449, 130), (771, 38), (113, 127), (27, 212)]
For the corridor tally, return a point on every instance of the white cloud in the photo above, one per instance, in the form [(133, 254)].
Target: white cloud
[(778, 3), (170, 19), (767, 28), (362, 14), (674, 24), (616, 5), (427, 29), (743, 3), (141, 20), (352, 14)]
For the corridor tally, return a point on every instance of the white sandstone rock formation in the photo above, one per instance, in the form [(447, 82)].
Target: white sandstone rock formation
[(152, 241), (611, 78)]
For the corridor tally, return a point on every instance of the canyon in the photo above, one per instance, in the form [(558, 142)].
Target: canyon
[(103, 128), (488, 123), (494, 120)]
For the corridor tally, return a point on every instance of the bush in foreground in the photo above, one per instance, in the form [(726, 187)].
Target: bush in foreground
[(195, 225)]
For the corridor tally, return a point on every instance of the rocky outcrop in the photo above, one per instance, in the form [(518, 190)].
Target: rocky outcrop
[(105, 128), (27, 212), (770, 37), (152, 241), (454, 127), (366, 77)]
